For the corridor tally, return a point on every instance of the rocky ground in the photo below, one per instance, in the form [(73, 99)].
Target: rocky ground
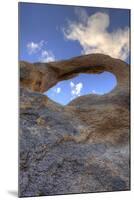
[(81, 147)]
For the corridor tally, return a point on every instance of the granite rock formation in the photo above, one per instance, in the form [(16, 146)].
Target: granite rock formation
[(81, 147)]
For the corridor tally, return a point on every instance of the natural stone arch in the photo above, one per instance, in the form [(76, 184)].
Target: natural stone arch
[(42, 76), (91, 134)]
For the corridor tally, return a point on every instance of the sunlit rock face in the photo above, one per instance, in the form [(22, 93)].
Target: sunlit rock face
[(81, 147)]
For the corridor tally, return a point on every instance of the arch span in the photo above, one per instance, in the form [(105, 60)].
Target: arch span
[(42, 76)]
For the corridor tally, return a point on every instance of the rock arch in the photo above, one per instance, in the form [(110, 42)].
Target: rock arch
[(75, 144), (42, 76)]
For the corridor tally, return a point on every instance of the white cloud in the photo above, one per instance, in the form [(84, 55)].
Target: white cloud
[(76, 89), (93, 35), (81, 14), (72, 84), (58, 90), (33, 47), (47, 56), (94, 92), (98, 93)]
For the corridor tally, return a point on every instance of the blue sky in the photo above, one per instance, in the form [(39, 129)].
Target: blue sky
[(54, 32)]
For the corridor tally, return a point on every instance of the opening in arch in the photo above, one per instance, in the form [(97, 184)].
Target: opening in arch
[(83, 84)]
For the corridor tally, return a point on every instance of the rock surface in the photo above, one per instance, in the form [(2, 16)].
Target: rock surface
[(81, 147)]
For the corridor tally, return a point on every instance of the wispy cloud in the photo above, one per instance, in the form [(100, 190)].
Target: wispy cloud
[(55, 91), (33, 47), (94, 92), (72, 84), (93, 35), (76, 89), (47, 56), (58, 90), (39, 49)]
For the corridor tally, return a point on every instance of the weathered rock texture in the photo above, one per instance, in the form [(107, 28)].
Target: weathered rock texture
[(81, 147)]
